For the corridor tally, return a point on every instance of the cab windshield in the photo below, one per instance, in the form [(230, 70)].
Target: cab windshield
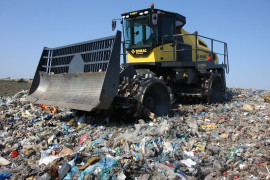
[(138, 32)]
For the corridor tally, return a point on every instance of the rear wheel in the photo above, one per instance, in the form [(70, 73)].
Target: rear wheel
[(216, 90)]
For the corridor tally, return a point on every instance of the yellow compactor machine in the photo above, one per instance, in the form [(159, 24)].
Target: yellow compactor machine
[(161, 62)]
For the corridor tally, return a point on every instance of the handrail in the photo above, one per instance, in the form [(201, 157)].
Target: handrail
[(175, 42)]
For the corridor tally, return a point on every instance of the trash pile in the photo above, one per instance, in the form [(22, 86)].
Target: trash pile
[(199, 141)]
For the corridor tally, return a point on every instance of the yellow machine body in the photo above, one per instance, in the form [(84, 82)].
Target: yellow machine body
[(165, 53)]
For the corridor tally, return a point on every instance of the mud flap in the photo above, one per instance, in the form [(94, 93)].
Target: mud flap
[(83, 76)]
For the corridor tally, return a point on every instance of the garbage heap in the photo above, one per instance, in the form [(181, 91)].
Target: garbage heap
[(199, 141)]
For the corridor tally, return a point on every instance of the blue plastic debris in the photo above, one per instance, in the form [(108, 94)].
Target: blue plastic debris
[(65, 127), (74, 170), (180, 172), (48, 116), (4, 176), (105, 164)]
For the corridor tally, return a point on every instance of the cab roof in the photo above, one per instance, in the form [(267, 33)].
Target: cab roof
[(151, 11)]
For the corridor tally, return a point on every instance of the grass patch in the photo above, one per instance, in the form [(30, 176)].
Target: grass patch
[(11, 87)]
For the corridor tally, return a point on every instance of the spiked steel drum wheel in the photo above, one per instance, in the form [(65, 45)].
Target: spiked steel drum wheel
[(156, 98)]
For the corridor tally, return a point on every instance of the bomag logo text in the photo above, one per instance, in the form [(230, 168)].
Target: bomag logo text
[(141, 51), (138, 51), (133, 13)]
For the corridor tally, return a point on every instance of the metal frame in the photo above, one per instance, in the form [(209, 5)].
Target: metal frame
[(95, 54)]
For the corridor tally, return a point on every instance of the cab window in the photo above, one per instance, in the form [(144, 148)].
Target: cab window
[(167, 28), (138, 32)]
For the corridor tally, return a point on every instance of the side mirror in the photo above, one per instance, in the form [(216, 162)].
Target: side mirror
[(113, 25)]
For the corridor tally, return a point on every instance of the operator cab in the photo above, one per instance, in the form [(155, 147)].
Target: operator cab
[(149, 28)]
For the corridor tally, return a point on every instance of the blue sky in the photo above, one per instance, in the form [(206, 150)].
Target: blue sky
[(26, 26)]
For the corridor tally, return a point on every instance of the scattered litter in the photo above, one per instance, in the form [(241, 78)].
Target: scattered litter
[(4, 162), (216, 141), (188, 162)]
